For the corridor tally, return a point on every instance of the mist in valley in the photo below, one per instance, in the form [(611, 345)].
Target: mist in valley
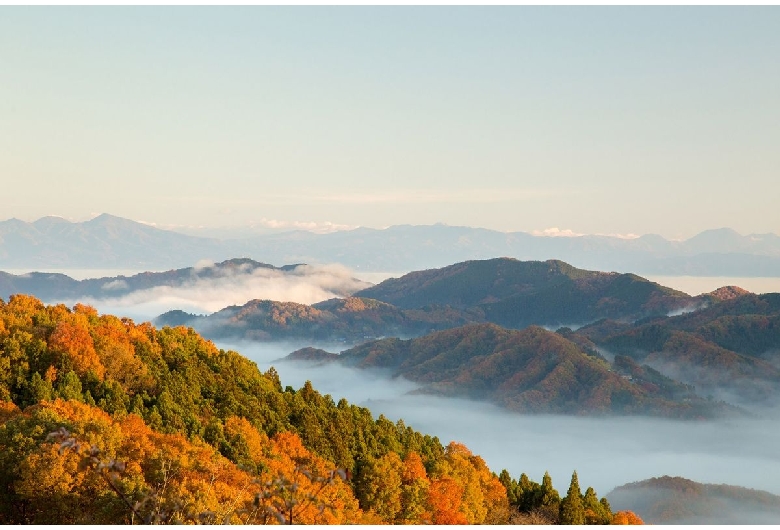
[(664, 506), (605, 451), (208, 293)]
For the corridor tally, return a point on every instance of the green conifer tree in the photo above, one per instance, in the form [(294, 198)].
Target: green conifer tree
[(596, 512), (526, 493), (510, 485), (39, 389), (546, 500), (547, 495), (572, 510), (69, 387), (607, 508)]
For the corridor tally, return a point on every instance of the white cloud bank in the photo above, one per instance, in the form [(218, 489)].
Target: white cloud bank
[(605, 452), (566, 232), (306, 284)]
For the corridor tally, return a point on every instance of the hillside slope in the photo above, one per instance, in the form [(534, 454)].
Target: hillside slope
[(504, 291), (516, 293), (676, 500), (731, 346), (201, 430), (531, 370)]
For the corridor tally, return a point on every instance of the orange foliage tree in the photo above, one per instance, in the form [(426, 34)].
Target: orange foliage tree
[(626, 517), (72, 346)]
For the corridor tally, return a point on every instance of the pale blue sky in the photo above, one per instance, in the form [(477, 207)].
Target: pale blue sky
[(597, 120)]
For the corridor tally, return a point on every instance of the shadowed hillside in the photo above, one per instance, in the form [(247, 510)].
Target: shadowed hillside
[(676, 500), (532, 370), (731, 346), (516, 293)]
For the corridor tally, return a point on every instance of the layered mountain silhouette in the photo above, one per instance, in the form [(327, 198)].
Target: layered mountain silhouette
[(732, 346), (112, 242), (56, 286), (723, 346), (531, 370), (630, 356), (504, 291), (106, 241)]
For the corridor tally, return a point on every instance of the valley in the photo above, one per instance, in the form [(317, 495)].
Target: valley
[(597, 388)]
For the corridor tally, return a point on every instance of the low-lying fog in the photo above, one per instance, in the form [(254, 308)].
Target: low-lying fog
[(696, 285), (306, 284), (606, 452)]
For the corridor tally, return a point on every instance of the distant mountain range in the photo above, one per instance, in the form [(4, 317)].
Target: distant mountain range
[(112, 242), (677, 500)]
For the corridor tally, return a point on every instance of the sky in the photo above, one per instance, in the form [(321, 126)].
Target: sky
[(614, 120)]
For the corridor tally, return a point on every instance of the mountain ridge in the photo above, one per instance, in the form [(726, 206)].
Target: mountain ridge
[(58, 286), (110, 241), (505, 291), (530, 370)]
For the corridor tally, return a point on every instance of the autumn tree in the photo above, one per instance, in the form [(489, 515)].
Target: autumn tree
[(444, 498), (380, 486), (414, 491), (626, 517), (72, 345), (201, 430), (115, 349)]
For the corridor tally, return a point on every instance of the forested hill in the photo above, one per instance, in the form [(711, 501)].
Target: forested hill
[(516, 293), (531, 370), (677, 500), (728, 347), (106, 421), (505, 291)]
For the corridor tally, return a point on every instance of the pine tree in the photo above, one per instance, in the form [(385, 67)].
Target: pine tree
[(572, 510), (510, 485), (69, 387), (526, 493), (546, 500), (596, 512), (605, 503), (39, 389), (547, 495)]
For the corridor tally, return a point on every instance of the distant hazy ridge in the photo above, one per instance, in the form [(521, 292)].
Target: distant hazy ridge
[(108, 241)]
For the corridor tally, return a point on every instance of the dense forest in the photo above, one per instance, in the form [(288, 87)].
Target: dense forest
[(106, 421)]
